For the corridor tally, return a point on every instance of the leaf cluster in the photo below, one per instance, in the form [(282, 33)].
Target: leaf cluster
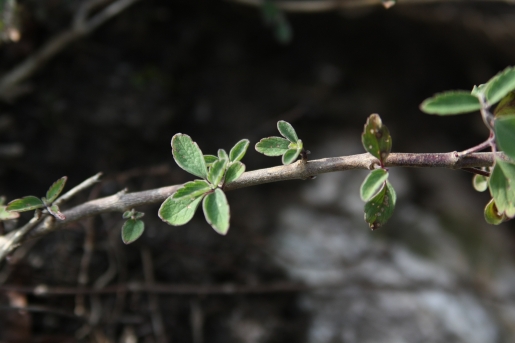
[(289, 147)]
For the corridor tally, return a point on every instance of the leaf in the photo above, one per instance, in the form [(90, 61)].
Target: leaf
[(27, 203), (502, 187), (451, 102), (506, 106), (178, 211), (222, 155), (217, 171), (272, 146), (216, 211), (132, 229), (505, 134), (54, 211), (56, 189), (238, 150), (380, 208), (6, 215), (210, 159), (290, 156), (500, 85), (287, 131), (376, 138), (234, 172), (138, 215), (188, 155), (480, 183), (373, 183), (192, 189), (492, 215), (128, 214)]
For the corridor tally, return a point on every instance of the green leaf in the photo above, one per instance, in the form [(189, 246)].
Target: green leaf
[(6, 215), (128, 214), (290, 156), (373, 182), (216, 211), (192, 189), (188, 155), (210, 159), (502, 187), (478, 91), (380, 208), (480, 183), (178, 211), (27, 203), (492, 215), (56, 189), (451, 102), (132, 229), (217, 171), (138, 215), (272, 146), (54, 211), (376, 138), (506, 106), (234, 171), (505, 134), (238, 150), (222, 155), (500, 85), (287, 131)]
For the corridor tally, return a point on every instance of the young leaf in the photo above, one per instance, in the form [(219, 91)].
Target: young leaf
[(505, 134), (192, 189), (222, 155), (54, 211), (210, 159), (287, 131), (188, 155), (372, 183), (56, 189), (138, 215), (216, 211), (238, 150), (380, 208), (502, 187), (290, 156), (5, 215), (27, 203), (217, 171), (376, 138), (272, 146), (132, 229), (128, 214), (480, 183), (451, 102), (500, 85), (234, 171), (492, 215), (506, 106), (178, 211)]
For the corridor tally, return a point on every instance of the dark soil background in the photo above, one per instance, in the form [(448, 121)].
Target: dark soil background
[(112, 101)]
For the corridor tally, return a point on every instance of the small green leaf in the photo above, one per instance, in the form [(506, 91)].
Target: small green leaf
[(188, 155), (478, 91), (138, 215), (238, 150), (234, 171), (376, 138), (132, 230), (192, 189), (287, 131), (217, 171), (502, 187), (492, 215), (128, 214), (380, 208), (480, 183), (27, 203), (272, 146), (56, 189), (54, 211), (451, 102), (505, 134), (178, 211), (222, 155), (373, 183), (210, 159), (216, 211), (506, 106), (290, 156), (5, 215), (500, 85)]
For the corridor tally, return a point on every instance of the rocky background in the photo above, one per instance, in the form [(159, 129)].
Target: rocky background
[(299, 263)]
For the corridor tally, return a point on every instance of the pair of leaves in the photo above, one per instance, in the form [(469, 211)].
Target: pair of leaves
[(31, 202), (380, 198), (376, 138), (289, 147), (458, 102), (133, 227)]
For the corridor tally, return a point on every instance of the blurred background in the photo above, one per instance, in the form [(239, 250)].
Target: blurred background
[(108, 83)]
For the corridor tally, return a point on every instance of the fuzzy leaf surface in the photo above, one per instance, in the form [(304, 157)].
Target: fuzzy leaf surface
[(480, 183), (500, 85), (376, 138), (222, 155), (216, 211), (192, 189), (373, 183), (505, 134), (132, 229), (5, 215), (56, 189), (54, 211), (272, 146), (380, 208), (449, 103), (239, 150), (502, 187), (235, 170), (217, 171), (178, 211), (492, 216), (290, 156), (27, 203), (210, 159), (188, 155), (287, 131)]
